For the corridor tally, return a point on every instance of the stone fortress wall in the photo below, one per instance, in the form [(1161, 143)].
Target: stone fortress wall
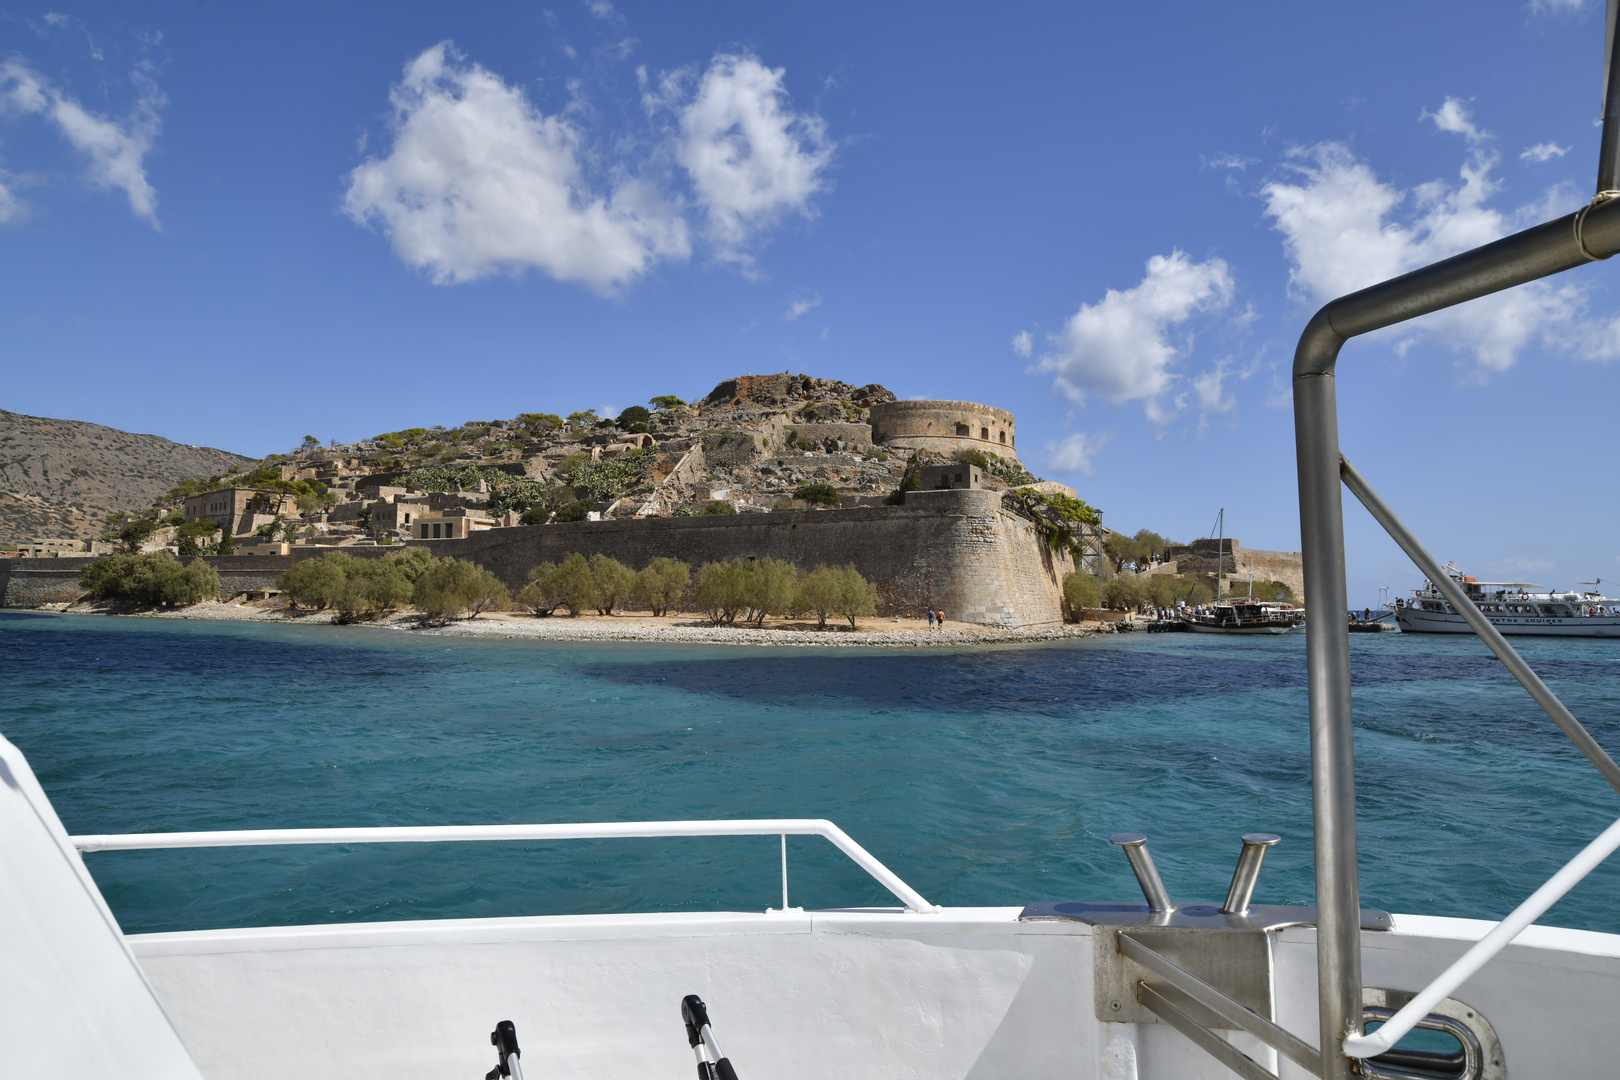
[(946, 426), (956, 550)]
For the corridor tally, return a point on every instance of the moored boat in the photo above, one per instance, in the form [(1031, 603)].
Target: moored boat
[(1246, 616), (1513, 607)]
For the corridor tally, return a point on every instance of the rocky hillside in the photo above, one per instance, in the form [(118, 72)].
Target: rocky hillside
[(61, 478)]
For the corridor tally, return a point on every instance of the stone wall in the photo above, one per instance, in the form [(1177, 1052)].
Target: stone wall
[(816, 436), (955, 550), (946, 426), (27, 583), (1236, 561), (945, 549)]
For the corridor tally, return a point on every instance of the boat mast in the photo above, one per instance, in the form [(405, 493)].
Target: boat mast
[(1220, 549)]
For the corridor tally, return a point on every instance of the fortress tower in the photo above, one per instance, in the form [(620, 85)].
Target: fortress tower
[(946, 426)]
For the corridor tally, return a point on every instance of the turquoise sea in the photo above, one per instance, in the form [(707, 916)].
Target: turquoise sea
[(992, 776)]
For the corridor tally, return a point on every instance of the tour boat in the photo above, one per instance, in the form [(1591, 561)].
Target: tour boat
[(1247, 616), (1512, 607)]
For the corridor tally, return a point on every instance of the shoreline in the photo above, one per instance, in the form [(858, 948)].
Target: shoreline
[(635, 626)]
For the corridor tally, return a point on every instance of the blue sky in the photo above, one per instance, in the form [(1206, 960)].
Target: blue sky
[(236, 226)]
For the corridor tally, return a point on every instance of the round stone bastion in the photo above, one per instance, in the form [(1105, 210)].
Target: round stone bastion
[(946, 426)]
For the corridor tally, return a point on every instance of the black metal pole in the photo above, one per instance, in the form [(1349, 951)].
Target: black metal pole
[(1609, 150)]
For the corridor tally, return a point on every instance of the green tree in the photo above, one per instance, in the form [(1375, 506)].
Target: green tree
[(583, 418), (1123, 592), (154, 579), (540, 595), (315, 583), (857, 597), (661, 584), (451, 587), (613, 581), (666, 401), (911, 480), (372, 587), (818, 595), (310, 443), (573, 585), (818, 494), (635, 414), (1080, 590), (769, 585), (837, 590), (227, 543), (721, 591), (132, 532), (718, 508)]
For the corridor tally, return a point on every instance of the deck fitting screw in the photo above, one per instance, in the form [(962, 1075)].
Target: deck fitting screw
[(1114, 1005)]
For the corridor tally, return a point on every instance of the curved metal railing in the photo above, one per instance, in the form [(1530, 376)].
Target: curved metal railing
[(600, 830)]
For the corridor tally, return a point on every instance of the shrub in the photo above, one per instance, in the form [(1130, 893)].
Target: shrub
[(452, 586), (535, 515), (574, 511), (662, 584), (911, 481), (1080, 590), (613, 581), (175, 517), (718, 507), (973, 457), (156, 578), (818, 494)]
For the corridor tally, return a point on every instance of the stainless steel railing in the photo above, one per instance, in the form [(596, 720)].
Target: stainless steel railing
[(783, 827), (1590, 234)]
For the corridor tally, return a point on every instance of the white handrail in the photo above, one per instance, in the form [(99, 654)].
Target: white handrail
[(587, 831), (1366, 1046)]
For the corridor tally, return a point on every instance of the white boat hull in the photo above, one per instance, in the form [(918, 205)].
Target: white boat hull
[(966, 993), (1416, 621)]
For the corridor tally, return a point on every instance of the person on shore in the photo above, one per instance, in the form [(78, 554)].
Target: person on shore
[(930, 618), (940, 615)]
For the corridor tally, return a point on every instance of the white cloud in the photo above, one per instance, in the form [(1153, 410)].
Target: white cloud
[(1227, 161), (751, 158), (1210, 388), (1023, 344), (116, 149), (1120, 347), (1556, 7), (479, 181), (800, 307), (601, 9), (11, 207), (1077, 453), (1543, 151), (1453, 116), (1344, 229)]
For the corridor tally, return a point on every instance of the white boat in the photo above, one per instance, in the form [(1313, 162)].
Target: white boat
[(1513, 607), (1246, 617)]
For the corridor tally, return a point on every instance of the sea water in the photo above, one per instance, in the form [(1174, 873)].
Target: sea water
[(989, 775)]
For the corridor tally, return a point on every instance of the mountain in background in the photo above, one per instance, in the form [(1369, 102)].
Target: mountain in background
[(61, 478)]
